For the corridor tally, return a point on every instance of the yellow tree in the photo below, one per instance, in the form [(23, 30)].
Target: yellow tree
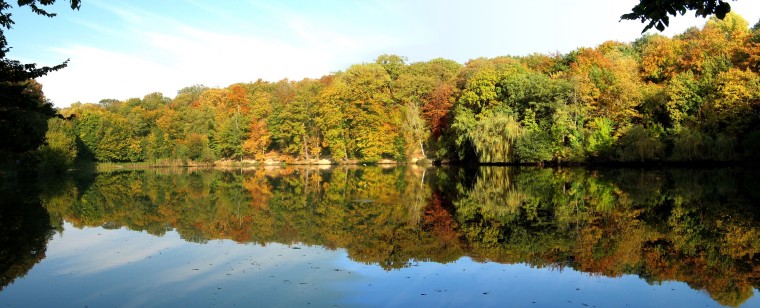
[(332, 118), (258, 139), (373, 127), (607, 81), (738, 98), (660, 57)]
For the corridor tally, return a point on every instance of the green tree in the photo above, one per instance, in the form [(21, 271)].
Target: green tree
[(228, 140), (105, 136), (23, 109), (188, 95), (601, 138), (154, 101), (292, 123), (393, 64), (24, 114), (535, 143), (198, 148), (60, 149)]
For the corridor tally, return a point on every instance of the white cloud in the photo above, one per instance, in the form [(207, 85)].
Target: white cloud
[(140, 51), (103, 250), (176, 54)]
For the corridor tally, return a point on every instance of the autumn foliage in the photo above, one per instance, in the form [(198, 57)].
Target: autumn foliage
[(691, 97)]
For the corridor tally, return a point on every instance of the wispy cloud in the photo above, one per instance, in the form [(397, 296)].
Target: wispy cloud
[(104, 251), (161, 53), (137, 47)]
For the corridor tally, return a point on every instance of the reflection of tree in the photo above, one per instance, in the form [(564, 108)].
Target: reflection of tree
[(700, 227), (493, 196), (259, 188), (24, 231), (439, 221)]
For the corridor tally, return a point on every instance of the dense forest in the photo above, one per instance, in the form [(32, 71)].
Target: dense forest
[(692, 97)]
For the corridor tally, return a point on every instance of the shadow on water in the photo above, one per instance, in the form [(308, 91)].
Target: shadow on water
[(24, 230)]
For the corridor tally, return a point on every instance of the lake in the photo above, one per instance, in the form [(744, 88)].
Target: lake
[(384, 237)]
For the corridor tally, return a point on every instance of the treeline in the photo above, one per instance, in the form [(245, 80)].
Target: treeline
[(692, 97)]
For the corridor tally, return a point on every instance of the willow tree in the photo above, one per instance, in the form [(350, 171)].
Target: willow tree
[(414, 126), (494, 137)]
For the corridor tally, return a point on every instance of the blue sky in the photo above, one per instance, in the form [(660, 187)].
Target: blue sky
[(121, 49)]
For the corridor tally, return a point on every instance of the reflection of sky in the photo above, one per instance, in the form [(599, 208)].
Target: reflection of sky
[(466, 283), (97, 267)]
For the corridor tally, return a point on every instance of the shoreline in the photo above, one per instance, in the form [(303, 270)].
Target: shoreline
[(322, 164)]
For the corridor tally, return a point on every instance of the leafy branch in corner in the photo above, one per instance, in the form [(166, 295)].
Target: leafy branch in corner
[(656, 12)]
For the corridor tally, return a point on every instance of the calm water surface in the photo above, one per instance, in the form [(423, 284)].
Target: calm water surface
[(366, 237)]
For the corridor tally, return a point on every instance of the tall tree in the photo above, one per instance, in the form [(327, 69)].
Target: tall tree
[(333, 119), (228, 140), (23, 109), (374, 117), (24, 113)]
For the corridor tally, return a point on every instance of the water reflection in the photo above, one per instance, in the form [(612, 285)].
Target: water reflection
[(24, 231), (700, 227)]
